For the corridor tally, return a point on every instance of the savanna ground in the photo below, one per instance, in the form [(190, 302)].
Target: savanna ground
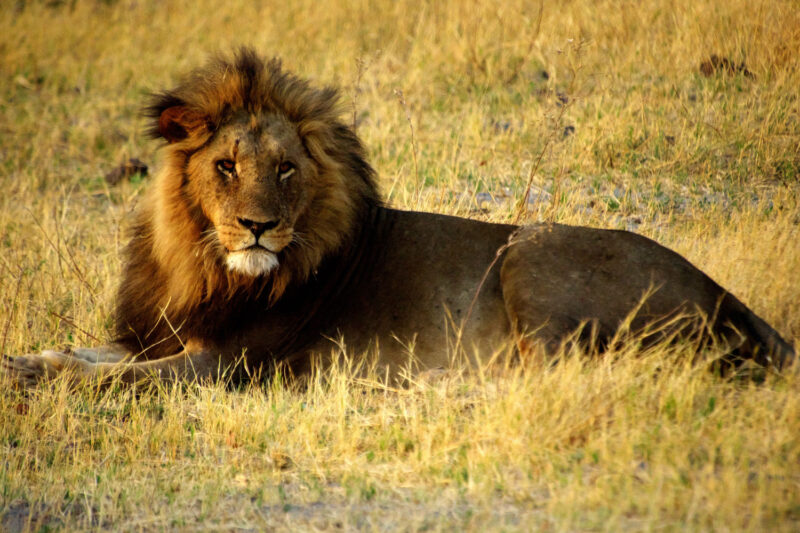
[(601, 107)]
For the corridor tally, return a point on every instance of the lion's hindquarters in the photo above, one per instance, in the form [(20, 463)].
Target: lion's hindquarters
[(559, 279)]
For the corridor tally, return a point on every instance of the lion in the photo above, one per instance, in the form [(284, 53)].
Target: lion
[(264, 238)]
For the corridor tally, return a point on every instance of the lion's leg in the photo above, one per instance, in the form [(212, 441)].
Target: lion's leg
[(565, 286), (184, 366), (571, 286), (26, 370), (109, 353)]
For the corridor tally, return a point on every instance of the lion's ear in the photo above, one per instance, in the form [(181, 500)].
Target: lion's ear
[(178, 122)]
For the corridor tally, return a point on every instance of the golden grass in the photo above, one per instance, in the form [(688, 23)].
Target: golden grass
[(626, 133)]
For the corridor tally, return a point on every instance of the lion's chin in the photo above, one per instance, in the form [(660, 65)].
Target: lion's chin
[(252, 262)]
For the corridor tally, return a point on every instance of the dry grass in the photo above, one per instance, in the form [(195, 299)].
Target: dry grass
[(601, 106)]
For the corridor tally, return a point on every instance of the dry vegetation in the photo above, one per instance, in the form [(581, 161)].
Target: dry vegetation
[(601, 106)]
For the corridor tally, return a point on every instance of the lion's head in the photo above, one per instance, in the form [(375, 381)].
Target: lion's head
[(260, 181)]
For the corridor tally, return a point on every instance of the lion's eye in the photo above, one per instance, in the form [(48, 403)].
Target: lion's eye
[(226, 166), (285, 169)]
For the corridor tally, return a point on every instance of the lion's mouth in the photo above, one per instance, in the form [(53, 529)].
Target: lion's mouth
[(256, 248)]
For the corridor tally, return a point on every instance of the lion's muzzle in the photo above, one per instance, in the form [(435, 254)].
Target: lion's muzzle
[(255, 252)]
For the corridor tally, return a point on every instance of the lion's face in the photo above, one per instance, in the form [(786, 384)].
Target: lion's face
[(260, 183), (251, 182)]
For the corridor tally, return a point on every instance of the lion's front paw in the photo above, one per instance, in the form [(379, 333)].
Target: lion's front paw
[(27, 370)]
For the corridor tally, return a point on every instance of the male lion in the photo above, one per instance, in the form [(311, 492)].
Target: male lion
[(264, 235)]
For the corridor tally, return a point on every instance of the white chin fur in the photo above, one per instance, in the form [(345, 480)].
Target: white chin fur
[(252, 262)]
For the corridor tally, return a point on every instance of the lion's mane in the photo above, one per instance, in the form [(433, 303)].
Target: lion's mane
[(175, 284)]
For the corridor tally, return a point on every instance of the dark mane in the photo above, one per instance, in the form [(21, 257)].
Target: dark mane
[(170, 281)]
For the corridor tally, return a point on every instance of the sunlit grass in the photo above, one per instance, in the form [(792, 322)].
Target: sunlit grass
[(600, 106), (624, 441)]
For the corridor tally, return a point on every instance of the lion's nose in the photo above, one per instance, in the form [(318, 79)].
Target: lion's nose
[(257, 228)]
